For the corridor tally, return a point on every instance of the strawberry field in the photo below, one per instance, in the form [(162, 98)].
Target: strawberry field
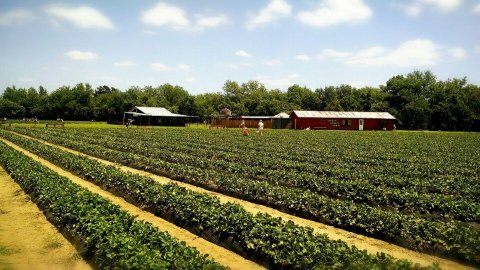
[(419, 190)]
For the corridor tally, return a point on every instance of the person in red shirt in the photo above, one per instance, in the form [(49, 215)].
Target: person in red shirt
[(245, 131)]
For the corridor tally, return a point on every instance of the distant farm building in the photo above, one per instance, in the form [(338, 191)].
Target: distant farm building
[(155, 116), (236, 121), (281, 121), (342, 120), (226, 120)]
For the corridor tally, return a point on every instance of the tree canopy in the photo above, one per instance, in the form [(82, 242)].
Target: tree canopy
[(418, 100)]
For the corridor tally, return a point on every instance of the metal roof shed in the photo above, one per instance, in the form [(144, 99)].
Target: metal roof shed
[(156, 116), (342, 120)]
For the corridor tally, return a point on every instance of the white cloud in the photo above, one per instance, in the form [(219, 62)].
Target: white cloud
[(211, 21), (126, 63), (333, 12), (458, 53), (242, 53), (83, 16), (18, 16), (416, 7), (183, 67), (274, 11), (476, 9), (272, 62), (81, 56), (412, 53), (280, 83), (166, 15), (303, 57), (162, 68), (334, 55), (477, 49), (442, 5)]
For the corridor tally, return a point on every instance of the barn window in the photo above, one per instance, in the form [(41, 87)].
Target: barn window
[(333, 122), (347, 122)]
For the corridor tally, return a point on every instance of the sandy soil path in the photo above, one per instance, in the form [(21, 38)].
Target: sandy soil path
[(372, 245), (219, 254), (27, 239)]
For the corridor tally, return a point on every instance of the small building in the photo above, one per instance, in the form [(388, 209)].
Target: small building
[(342, 120), (156, 116), (281, 121), (236, 121), (226, 120)]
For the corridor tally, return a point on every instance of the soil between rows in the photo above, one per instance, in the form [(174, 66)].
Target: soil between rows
[(371, 245), (27, 239), (217, 253)]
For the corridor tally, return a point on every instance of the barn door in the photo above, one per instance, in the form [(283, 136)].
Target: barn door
[(360, 124)]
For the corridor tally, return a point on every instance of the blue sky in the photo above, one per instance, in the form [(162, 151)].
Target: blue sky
[(201, 44)]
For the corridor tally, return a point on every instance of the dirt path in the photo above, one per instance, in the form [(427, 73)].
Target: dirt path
[(219, 254), (372, 245), (27, 239)]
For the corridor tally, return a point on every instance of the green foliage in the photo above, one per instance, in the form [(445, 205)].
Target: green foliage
[(114, 237), (262, 237), (388, 185), (418, 100)]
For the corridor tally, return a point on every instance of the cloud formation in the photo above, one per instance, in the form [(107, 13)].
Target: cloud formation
[(173, 17), (211, 21), (476, 9), (17, 16), (242, 53), (85, 56), (332, 12), (82, 17), (275, 10), (303, 57), (412, 53), (166, 15), (458, 53), (416, 7)]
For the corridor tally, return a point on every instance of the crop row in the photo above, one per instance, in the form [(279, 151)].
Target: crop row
[(111, 238), (455, 239), (358, 191), (264, 238)]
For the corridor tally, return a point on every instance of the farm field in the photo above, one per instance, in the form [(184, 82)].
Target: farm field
[(27, 239), (418, 190)]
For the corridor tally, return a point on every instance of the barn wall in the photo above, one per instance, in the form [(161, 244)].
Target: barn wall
[(324, 123)]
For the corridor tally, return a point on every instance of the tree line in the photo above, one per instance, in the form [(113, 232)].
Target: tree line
[(418, 100)]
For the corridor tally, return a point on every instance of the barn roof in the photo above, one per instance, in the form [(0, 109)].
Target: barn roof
[(345, 115), (154, 111), (281, 115)]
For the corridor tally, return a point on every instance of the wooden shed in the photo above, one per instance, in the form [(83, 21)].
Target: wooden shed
[(342, 120), (236, 121), (155, 116)]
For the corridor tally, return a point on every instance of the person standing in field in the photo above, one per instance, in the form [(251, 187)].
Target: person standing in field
[(260, 128), (242, 124), (245, 131)]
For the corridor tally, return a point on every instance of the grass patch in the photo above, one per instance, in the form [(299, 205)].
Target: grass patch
[(5, 251), (54, 245)]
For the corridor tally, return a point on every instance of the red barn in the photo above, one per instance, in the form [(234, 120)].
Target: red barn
[(342, 120)]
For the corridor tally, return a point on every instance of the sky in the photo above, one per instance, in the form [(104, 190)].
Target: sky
[(201, 44)]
